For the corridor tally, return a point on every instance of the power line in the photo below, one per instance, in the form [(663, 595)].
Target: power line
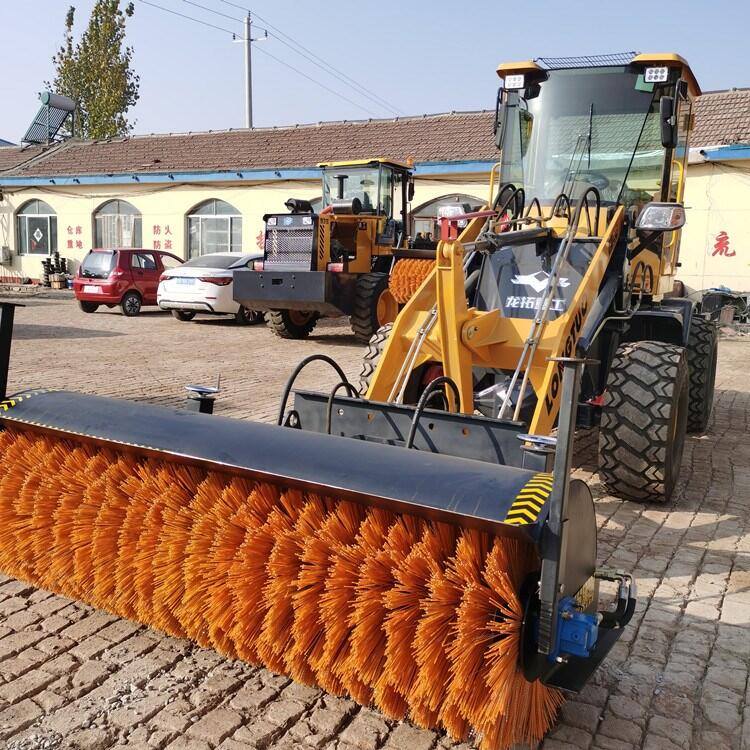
[(211, 10), (265, 52), (189, 18), (333, 72), (219, 13), (296, 46), (314, 80)]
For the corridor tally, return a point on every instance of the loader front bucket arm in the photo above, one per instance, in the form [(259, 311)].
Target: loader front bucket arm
[(440, 300)]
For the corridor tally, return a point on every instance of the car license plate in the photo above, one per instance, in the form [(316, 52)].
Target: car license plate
[(185, 281), (91, 289)]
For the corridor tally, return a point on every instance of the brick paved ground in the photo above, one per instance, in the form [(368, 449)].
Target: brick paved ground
[(74, 677)]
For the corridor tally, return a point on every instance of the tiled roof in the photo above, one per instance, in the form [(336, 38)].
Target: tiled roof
[(465, 136), (13, 156), (722, 118)]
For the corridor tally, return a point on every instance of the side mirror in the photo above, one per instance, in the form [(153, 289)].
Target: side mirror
[(668, 122), (497, 128), (661, 217)]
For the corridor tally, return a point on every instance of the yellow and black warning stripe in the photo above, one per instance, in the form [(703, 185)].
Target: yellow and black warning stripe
[(530, 500), (11, 402)]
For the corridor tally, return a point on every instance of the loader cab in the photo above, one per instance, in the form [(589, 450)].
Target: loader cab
[(618, 124), (360, 218), (365, 208)]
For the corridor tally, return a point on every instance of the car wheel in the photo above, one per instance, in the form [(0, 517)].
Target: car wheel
[(246, 317), (131, 304), (183, 315), (88, 307)]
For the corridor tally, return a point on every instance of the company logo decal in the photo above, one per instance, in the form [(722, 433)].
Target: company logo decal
[(538, 281)]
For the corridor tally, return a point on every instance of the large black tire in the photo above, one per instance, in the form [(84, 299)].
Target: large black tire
[(702, 352), (131, 304), (372, 356), (183, 315), (88, 307), (374, 305), (291, 324), (644, 420)]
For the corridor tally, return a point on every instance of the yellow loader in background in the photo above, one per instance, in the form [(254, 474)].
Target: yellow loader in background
[(343, 260)]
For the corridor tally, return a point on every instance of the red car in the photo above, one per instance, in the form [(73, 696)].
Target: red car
[(128, 278)]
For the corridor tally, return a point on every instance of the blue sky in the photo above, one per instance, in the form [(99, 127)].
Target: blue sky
[(419, 56)]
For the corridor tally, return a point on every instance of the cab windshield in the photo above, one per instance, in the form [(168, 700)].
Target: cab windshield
[(372, 185), (584, 127)]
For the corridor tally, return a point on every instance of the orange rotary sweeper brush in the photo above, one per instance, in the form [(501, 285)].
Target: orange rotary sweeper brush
[(407, 276), (420, 618), (406, 579)]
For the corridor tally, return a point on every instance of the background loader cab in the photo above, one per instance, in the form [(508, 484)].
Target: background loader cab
[(337, 262)]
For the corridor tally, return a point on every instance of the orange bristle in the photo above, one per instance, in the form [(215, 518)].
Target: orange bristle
[(436, 627), (11, 485), (169, 556), (500, 722), (282, 569), (407, 276), (336, 606), (368, 637), (422, 618), (310, 521), (229, 537), (108, 523), (308, 631), (404, 606), (45, 507), (22, 524), (198, 564), (73, 482), (247, 578)]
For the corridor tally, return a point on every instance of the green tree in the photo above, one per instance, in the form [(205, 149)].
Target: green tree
[(96, 71)]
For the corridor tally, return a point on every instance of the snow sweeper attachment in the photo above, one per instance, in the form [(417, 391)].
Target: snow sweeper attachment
[(458, 593)]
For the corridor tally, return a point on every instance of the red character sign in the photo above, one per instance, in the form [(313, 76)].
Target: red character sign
[(159, 231), (721, 246)]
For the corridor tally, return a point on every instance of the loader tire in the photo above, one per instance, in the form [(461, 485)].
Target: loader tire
[(374, 305), (644, 420), (372, 357), (291, 324), (702, 351)]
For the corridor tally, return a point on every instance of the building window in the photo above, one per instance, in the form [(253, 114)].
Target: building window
[(117, 224), (214, 227), (37, 229)]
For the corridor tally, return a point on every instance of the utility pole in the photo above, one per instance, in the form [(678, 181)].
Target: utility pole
[(248, 73)]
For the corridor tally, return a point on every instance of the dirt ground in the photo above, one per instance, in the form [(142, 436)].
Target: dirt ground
[(73, 677)]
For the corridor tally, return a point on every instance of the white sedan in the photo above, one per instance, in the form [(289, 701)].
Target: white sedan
[(205, 285)]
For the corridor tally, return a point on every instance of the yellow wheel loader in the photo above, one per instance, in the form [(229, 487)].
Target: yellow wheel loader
[(422, 547), (576, 257), (340, 261)]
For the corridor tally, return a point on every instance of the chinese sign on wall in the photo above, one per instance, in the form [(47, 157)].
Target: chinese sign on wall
[(74, 240), (162, 237)]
